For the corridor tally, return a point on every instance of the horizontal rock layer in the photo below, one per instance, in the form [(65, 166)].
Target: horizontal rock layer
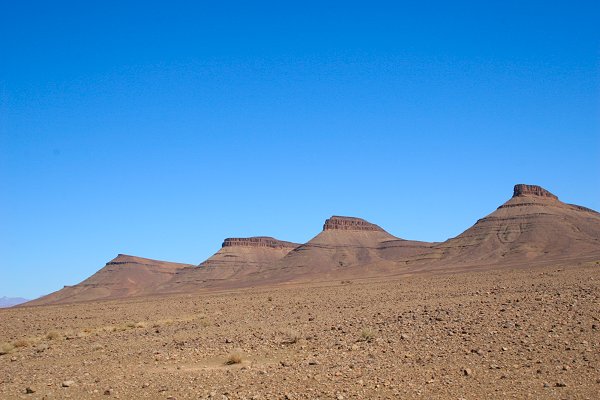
[(349, 224), (258, 241), (532, 190)]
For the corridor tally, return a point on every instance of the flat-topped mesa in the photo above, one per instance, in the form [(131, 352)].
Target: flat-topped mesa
[(349, 224), (532, 190), (257, 241)]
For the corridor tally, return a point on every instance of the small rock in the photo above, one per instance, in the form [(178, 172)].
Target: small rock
[(145, 385), (560, 384), (228, 340), (467, 372), (13, 359), (313, 362), (29, 390), (67, 384), (108, 392)]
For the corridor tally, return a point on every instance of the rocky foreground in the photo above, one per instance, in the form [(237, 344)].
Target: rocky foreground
[(525, 333)]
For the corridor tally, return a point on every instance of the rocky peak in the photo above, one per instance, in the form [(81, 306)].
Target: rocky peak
[(257, 241), (349, 224), (532, 190), (123, 259)]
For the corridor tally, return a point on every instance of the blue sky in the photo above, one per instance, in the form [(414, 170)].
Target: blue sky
[(158, 129)]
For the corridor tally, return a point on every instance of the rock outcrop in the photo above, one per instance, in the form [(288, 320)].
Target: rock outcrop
[(349, 224), (258, 241), (532, 190)]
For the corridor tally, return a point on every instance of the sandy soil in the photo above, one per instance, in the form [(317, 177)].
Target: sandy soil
[(527, 333)]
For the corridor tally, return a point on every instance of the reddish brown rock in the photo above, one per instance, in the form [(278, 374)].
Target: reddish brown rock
[(235, 261), (349, 224), (258, 241), (532, 190), (123, 276)]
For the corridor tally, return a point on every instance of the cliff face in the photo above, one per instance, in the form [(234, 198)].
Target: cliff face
[(349, 224), (258, 241), (532, 190)]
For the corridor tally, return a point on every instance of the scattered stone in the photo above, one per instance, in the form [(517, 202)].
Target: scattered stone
[(108, 392), (561, 384), (29, 390), (67, 384), (467, 372)]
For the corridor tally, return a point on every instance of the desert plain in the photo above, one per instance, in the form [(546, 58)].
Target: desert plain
[(527, 332)]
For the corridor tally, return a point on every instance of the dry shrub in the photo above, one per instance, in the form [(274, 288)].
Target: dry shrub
[(290, 337), (367, 335), (21, 343), (97, 346), (6, 348), (53, 335), (204, 323), (234, 358)]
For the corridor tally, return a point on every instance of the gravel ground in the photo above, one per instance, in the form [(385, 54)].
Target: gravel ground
[(496, 334)]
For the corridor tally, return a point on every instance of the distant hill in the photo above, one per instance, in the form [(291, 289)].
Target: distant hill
[(123, 276), (532, 228), (11, 301)]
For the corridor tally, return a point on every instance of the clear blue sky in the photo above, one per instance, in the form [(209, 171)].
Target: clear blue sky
[(158, 129)]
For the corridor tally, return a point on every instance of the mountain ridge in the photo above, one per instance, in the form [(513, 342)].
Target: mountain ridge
[(533, 226)]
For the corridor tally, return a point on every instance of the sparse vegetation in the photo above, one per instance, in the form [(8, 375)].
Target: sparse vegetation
[(204, 323), (290, 337), (21, 343), (234, 358), (53, 335), (367, 335), (97, 346), (6, 348)]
